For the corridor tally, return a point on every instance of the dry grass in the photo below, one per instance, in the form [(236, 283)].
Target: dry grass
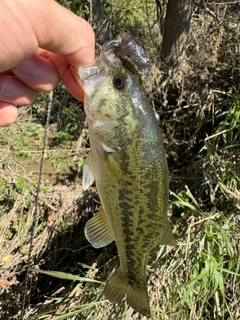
[(61, 206)]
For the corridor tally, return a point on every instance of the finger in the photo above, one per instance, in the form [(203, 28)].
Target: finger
[(72, 37), (44, 70), (64, 72), (47, 25), (14, 91), (8, 114), (72, 85), (39, 73)]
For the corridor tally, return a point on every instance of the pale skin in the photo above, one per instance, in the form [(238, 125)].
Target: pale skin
[(39, 42)]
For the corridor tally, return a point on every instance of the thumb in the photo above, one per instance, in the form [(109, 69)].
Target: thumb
[(29, 25), (64, 33)]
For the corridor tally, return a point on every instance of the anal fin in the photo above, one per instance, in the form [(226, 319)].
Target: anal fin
[(98, 230), (168, 238)]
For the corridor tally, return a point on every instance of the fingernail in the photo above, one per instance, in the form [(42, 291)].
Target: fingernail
[(28, 67), (11, 89)]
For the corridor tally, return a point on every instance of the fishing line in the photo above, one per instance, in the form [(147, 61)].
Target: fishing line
[(35, 209)]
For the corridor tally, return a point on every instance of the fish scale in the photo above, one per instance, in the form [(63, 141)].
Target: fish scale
[(128, 163)]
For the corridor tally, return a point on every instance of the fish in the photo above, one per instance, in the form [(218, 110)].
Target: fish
[(127, 161)]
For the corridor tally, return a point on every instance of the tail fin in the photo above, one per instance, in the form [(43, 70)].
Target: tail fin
[(119, 286)]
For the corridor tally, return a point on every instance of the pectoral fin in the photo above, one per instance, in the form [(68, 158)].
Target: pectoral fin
[(88, 177), (98, 230)]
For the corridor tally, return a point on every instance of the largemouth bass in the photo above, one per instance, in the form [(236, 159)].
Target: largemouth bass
[(128, 163)]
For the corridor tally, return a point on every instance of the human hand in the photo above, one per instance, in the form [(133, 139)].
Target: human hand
[(39, 42)]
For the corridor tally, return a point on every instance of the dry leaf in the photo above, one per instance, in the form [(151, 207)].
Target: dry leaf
[(4, 282), (24, 250), (51, 217), (156, 280), (6, 258)]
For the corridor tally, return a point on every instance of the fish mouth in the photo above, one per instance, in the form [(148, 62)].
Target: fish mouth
[(108, 55), (90, 71), (108, 59), (124, 51)]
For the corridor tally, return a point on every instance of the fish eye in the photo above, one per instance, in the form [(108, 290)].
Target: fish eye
[(119, 81)]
